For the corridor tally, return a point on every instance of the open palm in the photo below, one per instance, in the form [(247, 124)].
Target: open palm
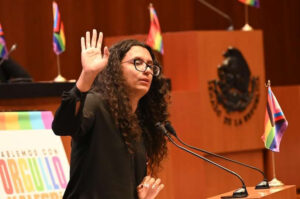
[(92, 60), (91, 57)]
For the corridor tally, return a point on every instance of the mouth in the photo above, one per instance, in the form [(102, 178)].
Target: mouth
[(145, 80)]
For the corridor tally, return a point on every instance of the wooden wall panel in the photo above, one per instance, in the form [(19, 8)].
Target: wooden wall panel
[(29, 24), (200, 54), (196, 123)]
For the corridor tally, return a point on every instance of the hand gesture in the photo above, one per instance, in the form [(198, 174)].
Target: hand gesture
[(149, 188), (91, 57), (92, 60)]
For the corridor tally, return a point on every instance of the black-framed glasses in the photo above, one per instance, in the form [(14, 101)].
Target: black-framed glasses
[(141, 65)]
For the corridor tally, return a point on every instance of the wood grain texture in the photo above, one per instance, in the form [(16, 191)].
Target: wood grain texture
[(29, 24)]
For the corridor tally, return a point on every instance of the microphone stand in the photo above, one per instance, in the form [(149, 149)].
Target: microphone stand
[(239, 193), (224, 15), (262, 185)]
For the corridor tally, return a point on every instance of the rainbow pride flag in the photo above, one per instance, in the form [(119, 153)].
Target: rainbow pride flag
[(154, 39), (59, 40), (3, 49), (25, 120), (275, 123), (254, 3)]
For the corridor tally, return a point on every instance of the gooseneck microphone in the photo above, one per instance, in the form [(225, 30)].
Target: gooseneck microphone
[(239, 193), (262, 185), (216, 10)]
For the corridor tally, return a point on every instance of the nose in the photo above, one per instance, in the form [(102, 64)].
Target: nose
[(148, 70)]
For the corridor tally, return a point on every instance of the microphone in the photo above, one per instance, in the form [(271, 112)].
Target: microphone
[(239, 193), (219, 12), (12, 48), (262, 185), (11, 71)]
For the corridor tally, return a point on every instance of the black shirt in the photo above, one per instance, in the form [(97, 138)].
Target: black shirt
[(101, 166)]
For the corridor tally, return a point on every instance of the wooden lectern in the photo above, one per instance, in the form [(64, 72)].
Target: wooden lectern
[(283, 192)]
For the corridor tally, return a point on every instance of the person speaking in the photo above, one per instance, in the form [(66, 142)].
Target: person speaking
[(111, 114)]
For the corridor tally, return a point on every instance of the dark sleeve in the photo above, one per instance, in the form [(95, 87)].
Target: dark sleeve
[(66, 120)]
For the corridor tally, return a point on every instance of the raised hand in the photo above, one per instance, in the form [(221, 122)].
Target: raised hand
[(92, 59), (149, 188)]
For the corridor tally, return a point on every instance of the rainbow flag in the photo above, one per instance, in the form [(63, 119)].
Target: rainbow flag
[(3, 49), (154, 39), (275, 123), (25, 120), (59, 40), (254, 3)]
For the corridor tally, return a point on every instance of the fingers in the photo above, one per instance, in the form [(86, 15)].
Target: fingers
[(99, 42), (94, 38), (87, 39), (155, 189), (150, 182), (156, 183), (152, 185), (82, 44), (159, 188), (146, 179), (94, 43)]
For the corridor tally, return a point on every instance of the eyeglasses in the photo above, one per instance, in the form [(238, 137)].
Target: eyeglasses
[(142, 66)]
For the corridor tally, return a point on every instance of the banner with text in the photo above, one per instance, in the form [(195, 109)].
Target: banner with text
[(33, 162)]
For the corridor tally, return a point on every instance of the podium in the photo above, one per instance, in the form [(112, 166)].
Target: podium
[(283, 192)]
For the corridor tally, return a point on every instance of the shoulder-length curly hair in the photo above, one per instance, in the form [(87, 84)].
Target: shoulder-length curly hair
[(152, 107)]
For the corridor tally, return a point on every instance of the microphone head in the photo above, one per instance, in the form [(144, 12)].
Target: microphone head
[(13, 47), (161, 127), (230, 28), (170, 128)]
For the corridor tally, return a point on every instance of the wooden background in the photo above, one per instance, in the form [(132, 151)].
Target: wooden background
[(29, 24)]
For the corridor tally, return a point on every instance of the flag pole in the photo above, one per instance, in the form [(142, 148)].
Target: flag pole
[(274, 182), (246, 27), (268, 84), (59, 78)]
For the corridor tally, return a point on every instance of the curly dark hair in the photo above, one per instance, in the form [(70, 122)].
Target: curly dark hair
[(152, 107)]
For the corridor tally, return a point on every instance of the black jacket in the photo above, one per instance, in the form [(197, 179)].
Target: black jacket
[(101, 166)]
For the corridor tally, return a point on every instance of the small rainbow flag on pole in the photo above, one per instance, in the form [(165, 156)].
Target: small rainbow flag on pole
[(3, 49), (254, 3), (154, 39), (59, 41), (275, 123)]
